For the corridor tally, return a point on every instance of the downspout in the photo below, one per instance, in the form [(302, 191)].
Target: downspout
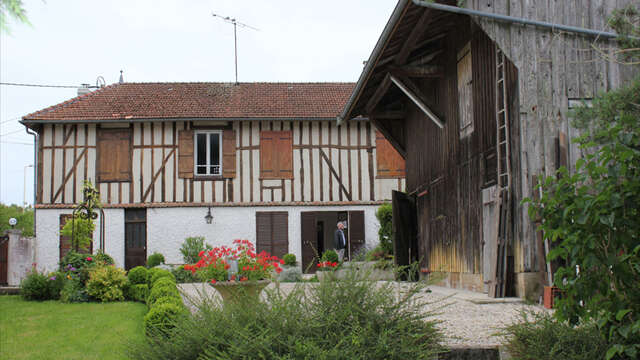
[(35, 187), (517, 20)]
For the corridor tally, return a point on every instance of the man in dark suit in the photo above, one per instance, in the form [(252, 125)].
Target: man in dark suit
[(339, 241)]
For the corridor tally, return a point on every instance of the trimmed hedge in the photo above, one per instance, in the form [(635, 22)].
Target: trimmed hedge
[(155, 259), (164, 281), (161, 291), (154, 274), (138, 275), (160, 319), (138, 292), (164, 301)]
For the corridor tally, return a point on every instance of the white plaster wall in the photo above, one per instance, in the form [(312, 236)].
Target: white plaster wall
[(113, 235), (168, 227)]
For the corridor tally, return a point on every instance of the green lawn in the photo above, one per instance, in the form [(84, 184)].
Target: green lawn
[(54, 330)]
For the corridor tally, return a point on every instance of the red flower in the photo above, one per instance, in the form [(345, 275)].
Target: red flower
[(244, 278), (282, 261), (233, 277), (213, 281), (334, 264), (319, 265), (226, 266), (89, 258), (201, 253), (278, 270)]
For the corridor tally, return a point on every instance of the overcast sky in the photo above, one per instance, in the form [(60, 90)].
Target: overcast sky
[(72, 42)]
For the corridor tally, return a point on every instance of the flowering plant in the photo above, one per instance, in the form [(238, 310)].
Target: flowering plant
[(214, 265), (327, 266)]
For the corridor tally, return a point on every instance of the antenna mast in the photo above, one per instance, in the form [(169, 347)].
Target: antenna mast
[(235, 36)]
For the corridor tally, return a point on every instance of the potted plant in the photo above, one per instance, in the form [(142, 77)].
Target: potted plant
[(327, 265), (238, 272)]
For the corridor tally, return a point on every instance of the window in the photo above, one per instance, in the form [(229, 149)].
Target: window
[(114, 155), (276, 155), (465, 91), (272, 232), (389, 162), (208, 152)]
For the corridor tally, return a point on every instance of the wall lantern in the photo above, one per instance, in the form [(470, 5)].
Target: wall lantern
[(208, 218)]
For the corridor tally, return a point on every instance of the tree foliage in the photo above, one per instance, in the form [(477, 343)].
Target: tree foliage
[(23, 215), (385, 233), (593, 217), (13, 8)]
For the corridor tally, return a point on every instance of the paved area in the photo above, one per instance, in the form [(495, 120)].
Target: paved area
[(469, 319)]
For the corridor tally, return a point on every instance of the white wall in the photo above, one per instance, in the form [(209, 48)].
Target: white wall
[(20, 256)]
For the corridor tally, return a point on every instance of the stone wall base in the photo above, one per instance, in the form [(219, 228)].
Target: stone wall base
[(528, 285)]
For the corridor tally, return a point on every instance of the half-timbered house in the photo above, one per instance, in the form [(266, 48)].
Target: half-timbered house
[(479, 108), (266, 161)]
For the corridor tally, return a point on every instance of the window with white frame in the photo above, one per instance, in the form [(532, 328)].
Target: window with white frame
[(208, 152)]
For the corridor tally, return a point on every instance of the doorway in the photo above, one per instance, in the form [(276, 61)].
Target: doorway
[(4, 259), (135, 238), (318, 228)]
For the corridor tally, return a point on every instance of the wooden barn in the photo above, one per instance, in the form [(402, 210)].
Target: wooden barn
[(478, 107), (259, 161)]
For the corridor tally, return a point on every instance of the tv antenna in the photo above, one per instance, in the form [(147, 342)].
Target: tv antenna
[(235, 23)]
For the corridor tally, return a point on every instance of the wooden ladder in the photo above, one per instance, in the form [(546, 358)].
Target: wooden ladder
[(502, 223)]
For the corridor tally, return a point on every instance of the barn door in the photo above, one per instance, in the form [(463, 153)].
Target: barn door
[(135, 238), (65, 241), (405, 239), (309, 241), (272, 232), (489, 245), (356, 232), (4, 259)]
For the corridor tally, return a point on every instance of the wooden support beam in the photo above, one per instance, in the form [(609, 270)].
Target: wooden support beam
[(390, 114), (410, 43), (378, 94), (389, 136), (417, 99), (333, 171), (425, 58), (424, 71)]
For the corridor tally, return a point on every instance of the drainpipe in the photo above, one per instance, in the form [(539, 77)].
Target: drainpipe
[(35, 187), (517, 20)]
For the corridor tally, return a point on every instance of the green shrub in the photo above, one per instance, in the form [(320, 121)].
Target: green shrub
[(159, 274), (169, 300), (101, 258), (385, 233), (344, 319), (77, 265), (191, 248), (161, 291), (160, 319), (73, 292), (330, 255), (37, 286), (80, 231), (289, 259), (138, 275), (539, 336), (155, 259), (164, 281), (137, 292), (107, 283), (56, 283), (183, 276)]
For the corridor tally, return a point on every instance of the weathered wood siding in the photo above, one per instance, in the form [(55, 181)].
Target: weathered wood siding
[(554, 67), (331, 164)]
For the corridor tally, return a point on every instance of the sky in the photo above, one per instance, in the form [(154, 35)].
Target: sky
[(72, 42)]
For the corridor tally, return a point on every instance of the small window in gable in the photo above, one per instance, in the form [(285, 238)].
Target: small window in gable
[(208, 152), (114, 155), (465, 91), (276, 155), (389, 162)]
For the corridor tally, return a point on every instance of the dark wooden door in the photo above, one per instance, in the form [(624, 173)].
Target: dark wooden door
[(4, 259), (356, 232), (135, 238), (309, 238), (405, 239), (272, 232)]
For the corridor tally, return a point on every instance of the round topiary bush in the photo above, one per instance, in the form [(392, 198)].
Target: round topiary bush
[(289, 259), (138, 292), (165, 281), (35, 287), (160, 319), (155, 259), (161, 291), (103, 258), (330, 255), (160, 273), (107, 283), (169, 300), (138, 275)]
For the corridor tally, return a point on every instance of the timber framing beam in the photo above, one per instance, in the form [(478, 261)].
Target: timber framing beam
[(412, 92), (424, 71), (409, 44), (378, 94), (389, 136)]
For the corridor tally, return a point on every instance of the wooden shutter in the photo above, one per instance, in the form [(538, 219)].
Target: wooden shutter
[(276, 155), (309, 239), (356, 231), (65, 241), (185, 154), (229, 153), (272, 232), (389, 162), (114, 155)]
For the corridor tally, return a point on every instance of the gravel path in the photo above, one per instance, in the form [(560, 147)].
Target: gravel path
[(469, 319)]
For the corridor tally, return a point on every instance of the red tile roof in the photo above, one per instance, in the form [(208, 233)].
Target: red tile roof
[(201, 101)]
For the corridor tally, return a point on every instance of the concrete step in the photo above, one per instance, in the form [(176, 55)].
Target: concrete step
[(9, 290)]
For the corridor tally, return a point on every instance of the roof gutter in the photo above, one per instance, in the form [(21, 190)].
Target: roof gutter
[(398, 12), (517, 20), (28, 122)]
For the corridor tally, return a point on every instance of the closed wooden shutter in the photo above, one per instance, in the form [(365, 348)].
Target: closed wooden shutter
[(185, 154), (65, 241), (114, 155), (389, 162), (229, 153), (272, 232), (276, 155), (309, 239), (356, 231)]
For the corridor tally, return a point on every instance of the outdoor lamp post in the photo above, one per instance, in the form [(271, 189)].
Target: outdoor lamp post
[(208, 218)]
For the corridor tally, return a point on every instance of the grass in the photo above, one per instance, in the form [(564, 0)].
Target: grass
[(54, 330)]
